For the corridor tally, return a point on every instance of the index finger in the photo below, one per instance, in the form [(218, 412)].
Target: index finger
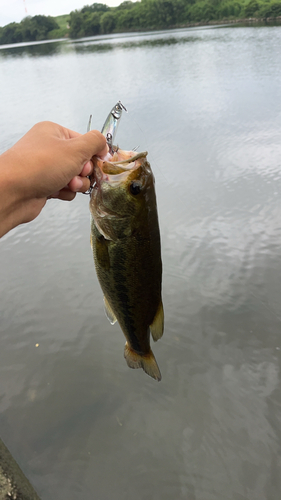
[(89, 144)]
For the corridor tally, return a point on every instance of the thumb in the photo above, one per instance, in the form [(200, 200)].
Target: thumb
[(88, 145)]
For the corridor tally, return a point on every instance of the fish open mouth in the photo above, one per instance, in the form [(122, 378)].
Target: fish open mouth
[(115, 168)]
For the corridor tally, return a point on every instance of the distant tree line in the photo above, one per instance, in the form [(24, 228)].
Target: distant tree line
[(29, 29), (98, 18), (161, 14)]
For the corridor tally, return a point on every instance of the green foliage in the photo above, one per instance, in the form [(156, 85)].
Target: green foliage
[(95, 7), (28, 30), (201, 11), (108, 22), (252, 8), (87, 22), (10, 34), (127, 20), (37, 27), (92, 24), (98, 18), (229, 9), (161, 14), (125, 5), (271, 9), (76, 21)]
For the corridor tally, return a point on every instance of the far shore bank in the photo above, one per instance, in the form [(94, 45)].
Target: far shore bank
[(252, 21), (247, 21)]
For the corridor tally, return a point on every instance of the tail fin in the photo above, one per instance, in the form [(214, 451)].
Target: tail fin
[(147, 362)]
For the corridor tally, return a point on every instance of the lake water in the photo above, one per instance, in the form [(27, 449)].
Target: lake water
[(206, 105)]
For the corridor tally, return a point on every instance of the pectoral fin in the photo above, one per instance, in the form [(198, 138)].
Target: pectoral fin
[(108, 311), (157, 326), (146, 361)]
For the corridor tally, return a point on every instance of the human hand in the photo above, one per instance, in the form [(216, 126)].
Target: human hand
[(50, 161)]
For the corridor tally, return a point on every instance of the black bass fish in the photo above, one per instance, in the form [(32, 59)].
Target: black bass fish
[(125, 240)]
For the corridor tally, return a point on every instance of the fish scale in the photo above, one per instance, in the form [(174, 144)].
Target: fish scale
[(125, 240)]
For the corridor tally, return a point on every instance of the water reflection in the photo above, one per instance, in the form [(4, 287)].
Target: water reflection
[(31, 50), (100, 43), (104, 43), (72, 412), (157, 42)]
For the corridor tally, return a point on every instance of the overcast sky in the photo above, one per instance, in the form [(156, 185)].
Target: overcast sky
[(15, 10)]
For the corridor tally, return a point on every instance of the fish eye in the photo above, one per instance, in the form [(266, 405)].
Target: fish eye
[(135, 188)]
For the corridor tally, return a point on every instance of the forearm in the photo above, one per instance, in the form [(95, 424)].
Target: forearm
[(49, 161), (13, 207)]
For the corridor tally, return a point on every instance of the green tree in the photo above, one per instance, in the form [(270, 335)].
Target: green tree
[(76, 28), (161, 13), (95, 7), (29, 29), (91, 23), (10, 34), (271, 9), (37, 27), (228, 9), (108, 22), (251, 8), (127, 20), (201, 11), (141, 15), (125, 5)]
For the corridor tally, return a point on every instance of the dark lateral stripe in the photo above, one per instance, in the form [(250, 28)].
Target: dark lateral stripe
[(122, 299)]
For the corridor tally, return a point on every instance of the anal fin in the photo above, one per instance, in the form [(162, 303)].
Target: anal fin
[(146, 361), (108, 311), (157, 327)]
